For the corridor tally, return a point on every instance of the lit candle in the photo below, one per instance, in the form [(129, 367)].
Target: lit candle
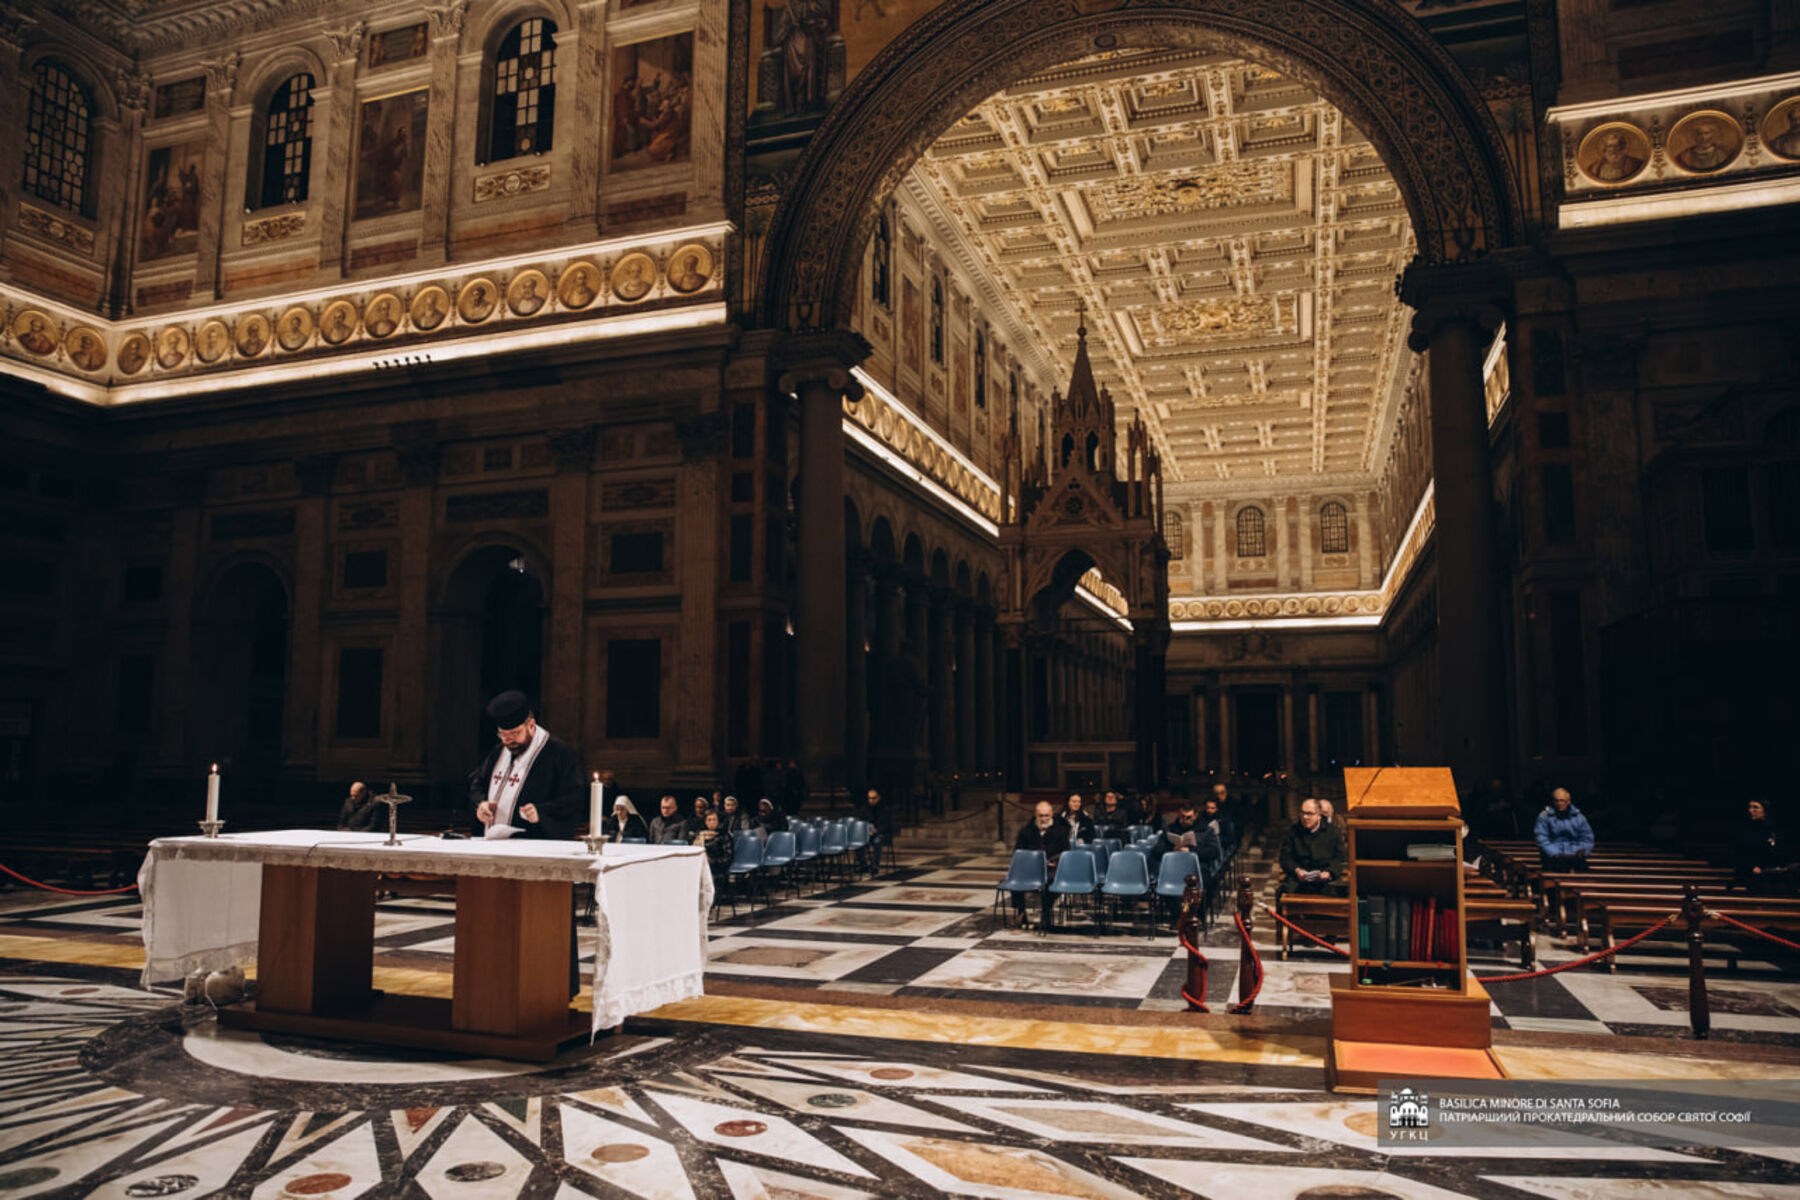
[(596, 791), (212, 794)]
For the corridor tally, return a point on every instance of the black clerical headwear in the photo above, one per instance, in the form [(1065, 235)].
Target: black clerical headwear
[(509, 710)]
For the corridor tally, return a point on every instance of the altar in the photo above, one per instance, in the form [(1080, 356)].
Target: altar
[(300, 904)]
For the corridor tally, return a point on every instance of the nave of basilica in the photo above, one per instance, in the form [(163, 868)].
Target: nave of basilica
[(977, 402)]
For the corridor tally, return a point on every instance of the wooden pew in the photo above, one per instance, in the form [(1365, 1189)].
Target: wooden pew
[(1555, 887), (1585, 898), (1774, 913)]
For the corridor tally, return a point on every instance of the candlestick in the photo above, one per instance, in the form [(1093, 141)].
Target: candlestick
[(211, 828), (212, 794), (596, 794)]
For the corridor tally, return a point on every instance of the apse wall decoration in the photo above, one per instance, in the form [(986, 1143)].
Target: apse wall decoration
[(652, 102), (171, 221), (390, 154)]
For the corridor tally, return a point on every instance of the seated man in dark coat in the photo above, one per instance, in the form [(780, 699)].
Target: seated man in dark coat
[(1043, 832), (1188, 832), (358, 813), (1312, 855), (669, 828), (530, 782), (881, 829)]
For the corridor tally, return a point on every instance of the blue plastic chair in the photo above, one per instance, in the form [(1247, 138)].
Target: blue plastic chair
[(1171, 877), (832, 844), (1024, 875), (806, 848), (746, 864), (1103, 849), (779, 855), (631, 841), (1127, 878), (1075, 875), (856, 840), (1137, 833)]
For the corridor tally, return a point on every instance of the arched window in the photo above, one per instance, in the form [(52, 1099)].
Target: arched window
[(880, 289), (524, 101), (58, 132), (287, 143), (1334, 529), (1250, 543), (1781, 441), (937, 320), (1175, 534), (980, 369)]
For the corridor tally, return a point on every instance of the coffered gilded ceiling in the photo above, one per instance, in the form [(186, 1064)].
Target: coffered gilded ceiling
[(1232, 237)]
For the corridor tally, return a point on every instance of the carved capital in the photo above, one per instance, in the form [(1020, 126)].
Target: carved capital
[(1451, 296), (822, 361), (15, 28), (134, 89), (346, 44), (221, 77), (447, 22), (573, 449)]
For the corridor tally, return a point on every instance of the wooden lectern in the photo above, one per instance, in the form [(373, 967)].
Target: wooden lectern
[(1408, 1008)]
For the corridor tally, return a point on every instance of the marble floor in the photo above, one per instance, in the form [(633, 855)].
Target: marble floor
[(887, 1038)]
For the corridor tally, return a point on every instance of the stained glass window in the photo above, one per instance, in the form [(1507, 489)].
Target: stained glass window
[(524, 109), (58, 133)]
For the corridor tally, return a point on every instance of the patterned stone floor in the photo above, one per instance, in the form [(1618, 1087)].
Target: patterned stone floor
[(975, 1061)]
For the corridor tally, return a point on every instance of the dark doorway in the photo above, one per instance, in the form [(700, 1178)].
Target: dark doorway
[(512, 638), (488, 638), (1258, 732), (244, 651)]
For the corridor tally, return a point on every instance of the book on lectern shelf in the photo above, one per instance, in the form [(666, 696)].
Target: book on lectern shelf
[(1405, 929)]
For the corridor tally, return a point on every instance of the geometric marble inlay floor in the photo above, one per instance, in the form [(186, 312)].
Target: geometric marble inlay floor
[(886, 1038)]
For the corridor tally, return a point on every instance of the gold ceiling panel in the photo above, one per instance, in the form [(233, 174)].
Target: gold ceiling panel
[(1232, 237)]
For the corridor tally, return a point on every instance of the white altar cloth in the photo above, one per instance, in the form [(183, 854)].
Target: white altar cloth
[(202, 900)]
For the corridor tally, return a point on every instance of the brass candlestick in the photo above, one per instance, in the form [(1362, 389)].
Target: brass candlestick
[(211, 828), (594, 842)]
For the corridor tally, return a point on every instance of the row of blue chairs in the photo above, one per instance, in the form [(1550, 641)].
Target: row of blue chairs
[(1105, 876), (811, 846)]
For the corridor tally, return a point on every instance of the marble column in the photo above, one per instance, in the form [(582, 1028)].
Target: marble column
[(1314, 740), (440, 138), (418, 454), (220, 82), (965, 687), (1452, 327), (943, 698), (334, 117), (1371, 711), (584, 50), (856, 673), (186, 533), (1223, 556), (565, 658), (1288, 761), (985, 758), (1365, 543), (312, 566), (888, 710), (1224, 731), (817, 375), (1278, 517)]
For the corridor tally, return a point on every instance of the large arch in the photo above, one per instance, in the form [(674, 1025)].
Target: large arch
[(1369, 57)]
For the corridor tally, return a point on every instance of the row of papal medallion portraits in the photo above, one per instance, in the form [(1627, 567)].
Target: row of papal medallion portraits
[(1700, 143), (253, 334)]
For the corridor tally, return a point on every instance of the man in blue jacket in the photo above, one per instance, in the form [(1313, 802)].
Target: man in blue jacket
[(1564, 836)]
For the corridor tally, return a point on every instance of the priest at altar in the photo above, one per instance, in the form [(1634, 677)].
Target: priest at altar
[(530, 784)]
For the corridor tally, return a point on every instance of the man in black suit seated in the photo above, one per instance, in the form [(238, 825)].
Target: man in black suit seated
[(1313, 859), (1043, 832), (669, 827)]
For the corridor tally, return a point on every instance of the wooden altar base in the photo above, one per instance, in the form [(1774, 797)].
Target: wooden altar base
[(1450, 1035), (390, 1019), (510, 989)]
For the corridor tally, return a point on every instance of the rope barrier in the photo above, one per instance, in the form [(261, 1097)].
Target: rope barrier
[(66, 891), (1243, 1006), (1197, 1001), (1303, 933), (1762, 933), (1582, 962)]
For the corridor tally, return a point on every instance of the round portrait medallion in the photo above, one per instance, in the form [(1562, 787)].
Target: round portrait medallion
[(1781, 129), (477, 300), (383, 315), (213, 340), (430, 305), (579, 285), (632, 277), (87, 349), (134, 352), (527, 292), (251, 335), (1614, 153), (338, 322), (295, 328), (690, 268), (172, 346), (36, 332), (1705, 141)]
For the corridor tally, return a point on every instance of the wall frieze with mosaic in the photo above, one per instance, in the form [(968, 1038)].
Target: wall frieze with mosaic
[(926, 450), (1695, 136), (411, 313)]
